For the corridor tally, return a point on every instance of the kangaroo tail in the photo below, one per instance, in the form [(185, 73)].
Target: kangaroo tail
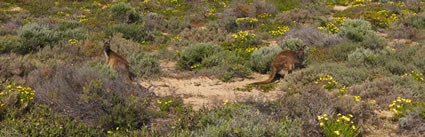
[(272, 75)]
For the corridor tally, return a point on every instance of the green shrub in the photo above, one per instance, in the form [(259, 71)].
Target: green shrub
[(373, 41), (42, 121), (262, 58), (355, 29), (9, 43), (417, 21), (284, 5), (341, 51), (339, 126), (68, 25), (291, 44), (135, 32), (104, 70), (121, 10), (245, 121), (144, 65), (195, 54), (125, 12), (338, 2), (341, 73), (362, 56), (34, 37)]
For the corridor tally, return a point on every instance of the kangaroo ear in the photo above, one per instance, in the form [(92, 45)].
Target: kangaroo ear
[(110, 40)]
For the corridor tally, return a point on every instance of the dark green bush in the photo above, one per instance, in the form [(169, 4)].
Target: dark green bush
[(262, 58), (135, 32), (195, 54)]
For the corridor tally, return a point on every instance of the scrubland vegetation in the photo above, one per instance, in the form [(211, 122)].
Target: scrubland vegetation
[(359, 63)]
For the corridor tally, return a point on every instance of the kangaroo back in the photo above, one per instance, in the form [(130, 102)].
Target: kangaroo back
[(285, 60)]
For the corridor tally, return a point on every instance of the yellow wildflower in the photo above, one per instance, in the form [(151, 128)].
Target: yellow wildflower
[(337, 133)]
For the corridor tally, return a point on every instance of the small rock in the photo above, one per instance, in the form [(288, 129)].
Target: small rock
[(196, 83)]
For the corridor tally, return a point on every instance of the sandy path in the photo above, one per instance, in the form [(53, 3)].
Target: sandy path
[(202, 90)]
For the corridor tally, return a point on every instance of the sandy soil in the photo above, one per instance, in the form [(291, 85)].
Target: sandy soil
[(202, 90)]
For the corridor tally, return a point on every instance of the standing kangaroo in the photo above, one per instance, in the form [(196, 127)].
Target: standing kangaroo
[(286, 60), (115, 61)]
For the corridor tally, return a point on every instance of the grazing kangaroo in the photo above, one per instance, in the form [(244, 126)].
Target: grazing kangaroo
[(115, 61), (286, 60)]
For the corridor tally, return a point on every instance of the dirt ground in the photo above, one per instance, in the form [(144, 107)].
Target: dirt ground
[(202, 90)]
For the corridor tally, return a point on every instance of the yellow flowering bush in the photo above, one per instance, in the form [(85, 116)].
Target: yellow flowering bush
[(73, 41), (25, 95), (340, 20), (418, 76), (380, 18), (196, 66), (400, 106), (330, 27), (279, 31), (326, 81), (243, 36), (342, 91), (340, 126), (164, 105), (357, 98)]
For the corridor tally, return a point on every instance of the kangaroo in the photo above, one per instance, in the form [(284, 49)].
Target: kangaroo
[(115, 61), (286, 60)]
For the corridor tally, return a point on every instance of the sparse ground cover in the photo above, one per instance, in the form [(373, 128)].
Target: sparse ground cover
[(192, 62)]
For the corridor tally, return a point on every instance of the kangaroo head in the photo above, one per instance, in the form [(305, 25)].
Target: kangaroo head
[(107, 45)]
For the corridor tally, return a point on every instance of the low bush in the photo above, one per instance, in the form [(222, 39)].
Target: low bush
[(341, 73), (362, 56), (373, 41), (244, 121), (355, 29), (291, 44), (89, 97), (9, 43), (144, 66), (341, 51), (412, 123), (42, 121), (195, 54), (382, 90), (34, 37), (262, 58), (135, 32), (311, 101), (417, 21), (226, 65)]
